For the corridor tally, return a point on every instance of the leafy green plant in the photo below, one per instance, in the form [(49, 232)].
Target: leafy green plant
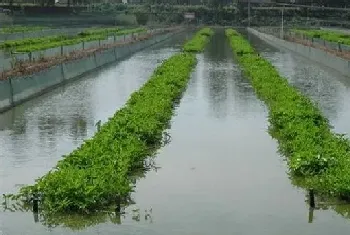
[(58, 43), (35, 44), (141, 18), (96, 174), (29, 41), (199, 41), (313, 151), (327, 35), (111, 31), (20, 29)]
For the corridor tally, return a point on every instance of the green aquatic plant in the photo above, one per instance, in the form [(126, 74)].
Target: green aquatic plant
[(75, 40), (29, 41), (66, 41), (327, 35), (21, 29), (96, 174), (197, 43), (313, 151), (111, 31), (35, 44)]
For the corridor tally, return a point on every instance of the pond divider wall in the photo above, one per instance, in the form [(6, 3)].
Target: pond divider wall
[(20, 89), (327, 59), (7, 63)]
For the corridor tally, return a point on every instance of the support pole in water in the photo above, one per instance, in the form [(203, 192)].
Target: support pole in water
[(312, 198), (118, 207), (35, 203), (311, 215), (36, 217)]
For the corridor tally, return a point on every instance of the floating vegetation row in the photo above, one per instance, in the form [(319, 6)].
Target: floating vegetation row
[(327, 35), (199, 40), (313, 151), (35, 44), (112, 30), (21, 29), (96, 174)]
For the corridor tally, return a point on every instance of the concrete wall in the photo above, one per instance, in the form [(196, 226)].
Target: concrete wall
[(5, 63), (318, 55), (78, 67), (5, 93), (20, 89), (25, 87)]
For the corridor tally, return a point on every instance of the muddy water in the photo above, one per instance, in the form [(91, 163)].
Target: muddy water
[(220, 174)]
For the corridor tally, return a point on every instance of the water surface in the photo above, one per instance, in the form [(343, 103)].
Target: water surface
[(221, 173)]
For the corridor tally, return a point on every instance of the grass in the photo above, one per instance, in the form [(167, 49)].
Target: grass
[(96, 174), (325, 35), (314, 153)]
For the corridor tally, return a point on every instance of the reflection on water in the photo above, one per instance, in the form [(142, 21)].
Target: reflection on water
[(76, 222), (223, 84)]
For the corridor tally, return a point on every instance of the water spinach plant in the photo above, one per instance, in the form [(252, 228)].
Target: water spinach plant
[(196, 44), (112, 31), (327, 35), (96, 174), (35, 44), (21, 29), (313, 151)]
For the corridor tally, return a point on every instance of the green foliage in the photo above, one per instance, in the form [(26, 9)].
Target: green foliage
[(304, 135), (112, 30), (141, 18), (236, 40), (327, 35), (64, 42), (198, 42), (92, 176), (29, 41), (20, 29), (35, 44)]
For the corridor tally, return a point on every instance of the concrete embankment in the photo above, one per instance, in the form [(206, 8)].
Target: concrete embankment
[(16, 90), (323, 57)]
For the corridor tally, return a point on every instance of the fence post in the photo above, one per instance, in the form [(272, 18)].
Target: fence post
[(339, 47), (83, 45), (99, 42), (114, 38), (61, 50), (30, 55)]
